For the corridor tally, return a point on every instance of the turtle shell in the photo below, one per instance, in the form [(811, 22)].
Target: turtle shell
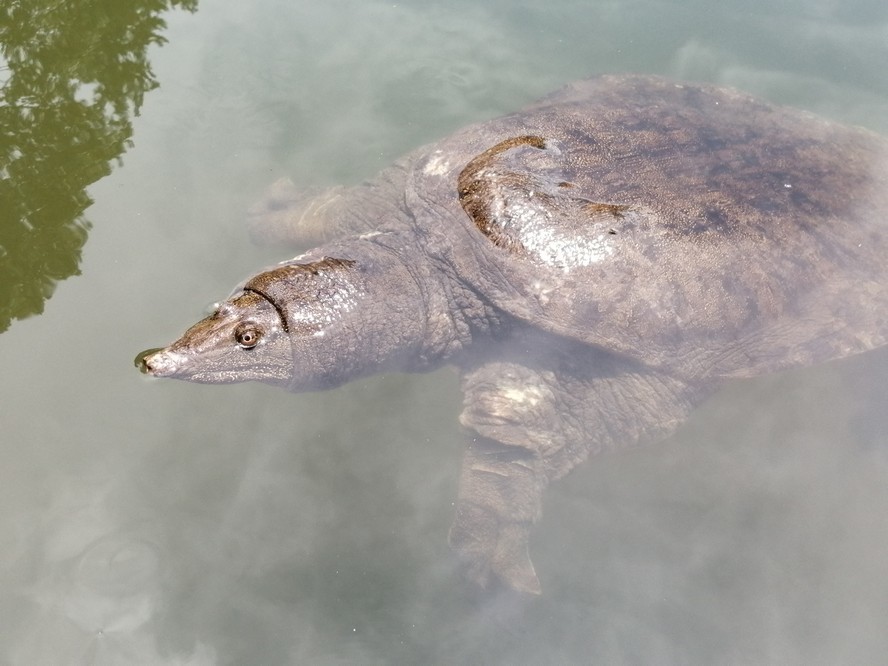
[(687, 227)]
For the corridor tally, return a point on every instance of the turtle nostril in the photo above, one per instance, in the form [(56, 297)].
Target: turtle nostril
[(143, 360)]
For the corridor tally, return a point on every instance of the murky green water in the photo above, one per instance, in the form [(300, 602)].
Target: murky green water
[(159, 522)]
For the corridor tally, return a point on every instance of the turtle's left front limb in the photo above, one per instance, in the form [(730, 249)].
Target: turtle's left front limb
[(500, 497), (508, 410), (530, 425)]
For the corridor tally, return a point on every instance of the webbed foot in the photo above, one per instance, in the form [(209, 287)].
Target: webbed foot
[(499, 500), (492, 551)]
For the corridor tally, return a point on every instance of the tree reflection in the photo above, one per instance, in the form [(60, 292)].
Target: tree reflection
[(72, 74)]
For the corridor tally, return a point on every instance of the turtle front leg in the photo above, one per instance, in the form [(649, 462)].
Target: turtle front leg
[(503, 474), (293, 215), (312, 216), (528, 426), (499, 500)]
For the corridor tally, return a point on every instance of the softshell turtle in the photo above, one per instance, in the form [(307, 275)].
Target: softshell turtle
[(595, 265)]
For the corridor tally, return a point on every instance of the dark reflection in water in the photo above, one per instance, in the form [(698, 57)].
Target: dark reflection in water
[(72, 77)]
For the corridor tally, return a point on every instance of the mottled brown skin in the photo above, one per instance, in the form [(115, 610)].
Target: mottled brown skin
[(596, 265)]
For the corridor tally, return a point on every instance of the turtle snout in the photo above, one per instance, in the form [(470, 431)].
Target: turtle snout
[(159, 362)]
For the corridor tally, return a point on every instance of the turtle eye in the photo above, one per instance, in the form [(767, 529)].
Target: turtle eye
[(247, 335)]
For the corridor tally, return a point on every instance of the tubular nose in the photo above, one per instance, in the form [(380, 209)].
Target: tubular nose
[(158, 362)]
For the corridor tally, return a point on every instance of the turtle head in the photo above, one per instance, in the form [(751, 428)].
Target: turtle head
[(304, 326), (243, 339)]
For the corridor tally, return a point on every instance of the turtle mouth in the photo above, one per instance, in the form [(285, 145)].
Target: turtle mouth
[(160, 362), (173, 365)]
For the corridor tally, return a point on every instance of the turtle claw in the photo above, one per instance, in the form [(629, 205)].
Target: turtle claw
[(512, 562)]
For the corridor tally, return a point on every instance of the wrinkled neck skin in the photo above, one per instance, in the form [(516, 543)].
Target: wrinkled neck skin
[(375, 305)]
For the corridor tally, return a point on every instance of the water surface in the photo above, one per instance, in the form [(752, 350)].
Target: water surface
[(161, 522)]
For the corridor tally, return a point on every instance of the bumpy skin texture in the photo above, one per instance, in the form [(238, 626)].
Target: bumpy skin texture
[(596, 265)]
